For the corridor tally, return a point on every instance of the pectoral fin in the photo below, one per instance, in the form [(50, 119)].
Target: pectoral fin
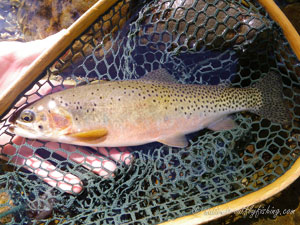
[(90, 135), (222, 124), (175, 141)]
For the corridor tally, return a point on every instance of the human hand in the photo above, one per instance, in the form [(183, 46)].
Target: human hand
[(27, 157), (14, 59)]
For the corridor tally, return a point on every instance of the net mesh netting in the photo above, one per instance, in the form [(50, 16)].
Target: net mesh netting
[(202, 42)]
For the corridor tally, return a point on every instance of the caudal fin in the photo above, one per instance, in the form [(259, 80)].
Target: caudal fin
[(273, 107)]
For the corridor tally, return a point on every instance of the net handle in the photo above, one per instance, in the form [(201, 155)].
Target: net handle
[(288, 29), (15, 88), (243, 202)]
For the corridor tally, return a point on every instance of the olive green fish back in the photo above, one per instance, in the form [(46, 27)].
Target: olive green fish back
[(200, 42)]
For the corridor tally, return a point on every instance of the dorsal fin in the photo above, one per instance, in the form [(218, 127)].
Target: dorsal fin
[(159, 75)]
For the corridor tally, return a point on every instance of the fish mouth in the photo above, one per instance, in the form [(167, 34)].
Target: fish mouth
[(21, 130), (11, 128)]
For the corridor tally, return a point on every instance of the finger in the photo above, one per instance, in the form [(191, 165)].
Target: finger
[(31, 50), (15, 57), (97, 164), (117, 154), (22, 153), (27, 158), (53, 176)]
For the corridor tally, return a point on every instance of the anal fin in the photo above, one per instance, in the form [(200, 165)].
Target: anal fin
[(175, 141), (225, 123)]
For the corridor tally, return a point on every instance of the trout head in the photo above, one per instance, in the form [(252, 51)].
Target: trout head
[(40, 120)]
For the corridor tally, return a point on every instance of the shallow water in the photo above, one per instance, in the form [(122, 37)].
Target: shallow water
[(9, 28)]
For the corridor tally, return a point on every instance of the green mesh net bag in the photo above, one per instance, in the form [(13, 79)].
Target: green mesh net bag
[(201, 42)]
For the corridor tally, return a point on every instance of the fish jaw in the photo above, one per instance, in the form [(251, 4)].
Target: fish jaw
[(31, 134), (26, 133)]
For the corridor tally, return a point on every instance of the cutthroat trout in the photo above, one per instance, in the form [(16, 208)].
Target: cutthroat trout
[(153, 108)]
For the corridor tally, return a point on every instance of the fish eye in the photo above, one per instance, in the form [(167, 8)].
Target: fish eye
[(27, 116)]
